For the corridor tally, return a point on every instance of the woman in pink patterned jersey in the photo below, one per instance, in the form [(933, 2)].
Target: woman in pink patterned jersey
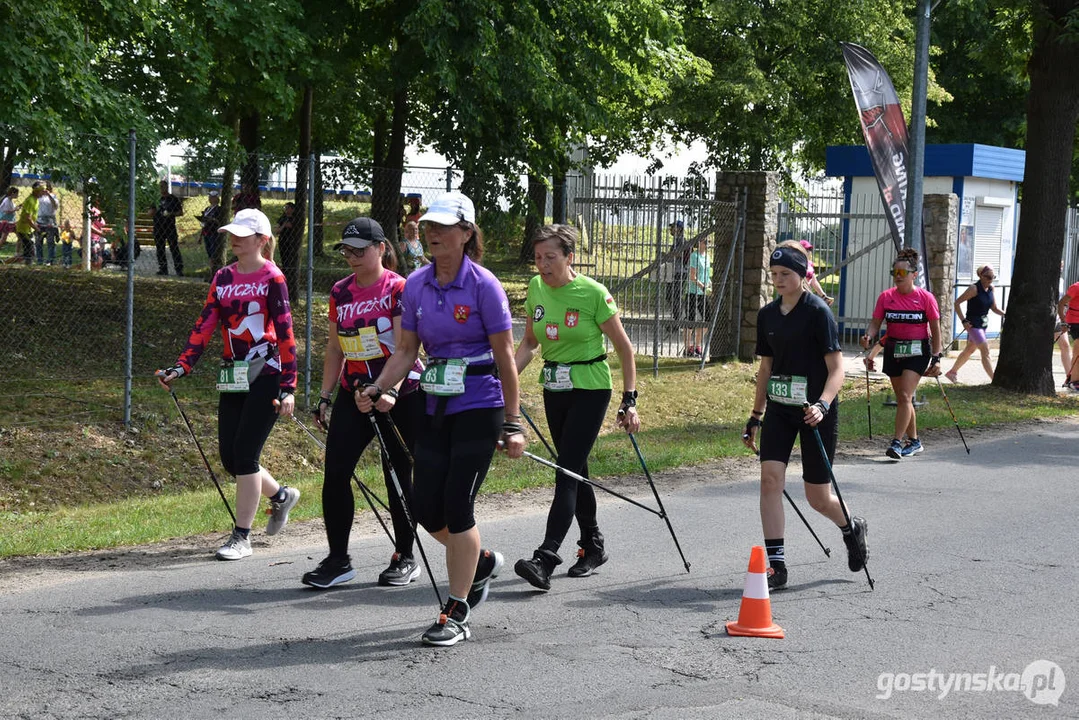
[(258, 367), (365, 328), (913, 319)]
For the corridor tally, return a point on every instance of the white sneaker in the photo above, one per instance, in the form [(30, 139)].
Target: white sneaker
[(279, 510), (237, 547)]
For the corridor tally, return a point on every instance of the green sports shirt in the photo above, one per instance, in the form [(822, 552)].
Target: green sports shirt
[(566, 322)]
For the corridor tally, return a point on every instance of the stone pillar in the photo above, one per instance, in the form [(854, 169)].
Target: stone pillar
[(940, 214), (762, 224)]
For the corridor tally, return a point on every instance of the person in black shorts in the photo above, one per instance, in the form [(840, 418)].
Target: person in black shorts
[(801, 362)]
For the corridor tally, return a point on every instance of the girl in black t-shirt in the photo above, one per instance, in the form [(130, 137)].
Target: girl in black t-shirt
[(801, 362)]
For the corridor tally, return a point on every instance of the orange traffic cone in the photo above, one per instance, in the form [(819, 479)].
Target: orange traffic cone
[(755, 616)]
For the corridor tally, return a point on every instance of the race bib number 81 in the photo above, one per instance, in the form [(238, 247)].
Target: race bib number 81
[(233, 377)]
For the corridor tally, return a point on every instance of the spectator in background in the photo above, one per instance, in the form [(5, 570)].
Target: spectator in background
[(698, 285), (211, 223), (289, 226), (100, 253), (7, 214), (412, 213), (676, 287), (412, 248), (26, 225), (811, 276), (247, 198), (1063, 341), (67, 240), (169, 207), (47, 229)]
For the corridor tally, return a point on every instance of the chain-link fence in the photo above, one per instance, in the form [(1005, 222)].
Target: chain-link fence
[(86, 344)]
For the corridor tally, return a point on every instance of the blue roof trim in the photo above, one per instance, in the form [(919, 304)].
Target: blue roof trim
[(971, 160)]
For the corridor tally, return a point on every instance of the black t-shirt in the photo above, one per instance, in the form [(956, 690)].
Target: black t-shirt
[(168, 204), (798, 341)]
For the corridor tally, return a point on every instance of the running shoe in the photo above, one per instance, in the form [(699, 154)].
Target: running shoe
[(237, 547), (895, 450), (590, 555), (487, 569), (537, 571), (857, 547), (331, 571), (912, 447), (451, 626), (401, 571), (777, 578), (278, 511)]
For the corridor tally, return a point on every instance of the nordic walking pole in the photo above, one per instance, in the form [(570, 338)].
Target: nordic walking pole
[(573, 475), (868, 403), (385, 455), (191, 431), (655, 492), (835, 486), (827, 551), (949, 404), (367, 493), (528, 419)]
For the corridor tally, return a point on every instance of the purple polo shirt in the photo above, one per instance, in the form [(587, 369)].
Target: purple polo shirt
[(454, 321)]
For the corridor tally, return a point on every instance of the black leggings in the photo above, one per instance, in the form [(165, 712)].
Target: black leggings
[(574, 418), (451, 463), (350, 433), (244, 421)]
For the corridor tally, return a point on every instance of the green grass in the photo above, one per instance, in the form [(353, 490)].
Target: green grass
[(73, 478)]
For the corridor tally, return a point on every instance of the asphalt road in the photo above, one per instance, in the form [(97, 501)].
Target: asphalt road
[(973, 558)]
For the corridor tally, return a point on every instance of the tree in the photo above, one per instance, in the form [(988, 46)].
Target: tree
[(1052, 114), (778, 94)]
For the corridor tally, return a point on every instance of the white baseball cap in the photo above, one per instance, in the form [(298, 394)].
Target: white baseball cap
[(248, 222), (450, 209)]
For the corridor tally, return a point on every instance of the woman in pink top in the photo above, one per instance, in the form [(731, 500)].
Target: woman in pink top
[(913, 319)]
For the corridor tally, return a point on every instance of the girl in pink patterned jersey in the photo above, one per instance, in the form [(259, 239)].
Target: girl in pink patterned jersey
[(257, 376), (365, 327), (912, 348)]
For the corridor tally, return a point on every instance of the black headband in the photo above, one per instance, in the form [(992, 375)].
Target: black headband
[(788, 257)]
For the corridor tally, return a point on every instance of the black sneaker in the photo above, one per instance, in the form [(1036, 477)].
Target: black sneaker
[(451, 627), (537, 571), (587, 562), (777, 578), (402, 571), (857, 547), (331, 571), (487, 569)]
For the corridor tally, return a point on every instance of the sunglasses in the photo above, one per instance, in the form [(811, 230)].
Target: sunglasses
[(989, 276), (348, 251), (901, 273)]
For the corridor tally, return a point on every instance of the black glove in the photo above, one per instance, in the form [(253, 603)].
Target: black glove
[(750, 425)]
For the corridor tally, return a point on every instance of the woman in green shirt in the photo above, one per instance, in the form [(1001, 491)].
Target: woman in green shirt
[(572, 313)]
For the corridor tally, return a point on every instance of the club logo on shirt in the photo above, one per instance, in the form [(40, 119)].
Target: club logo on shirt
[(538, 313), (572, 316), (552, 331), (461, 312)]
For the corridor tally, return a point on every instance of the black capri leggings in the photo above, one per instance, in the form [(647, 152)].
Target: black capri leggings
[(783, 423), (574, 418), (349, 434), (244, 421), (451, 463)]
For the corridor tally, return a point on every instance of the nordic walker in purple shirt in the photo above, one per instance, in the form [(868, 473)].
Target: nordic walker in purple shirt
[(460, 313)]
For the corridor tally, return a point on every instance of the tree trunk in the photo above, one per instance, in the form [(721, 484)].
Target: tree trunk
[(249, 139), (536, 214), (386, 205), (1052, 112), (229, 172), (8, 168), (290, 246), (558, 192)]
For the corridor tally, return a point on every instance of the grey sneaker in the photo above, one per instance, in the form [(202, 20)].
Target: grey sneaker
[(401, 571), (279, 511), (237, 547), (451, 627)]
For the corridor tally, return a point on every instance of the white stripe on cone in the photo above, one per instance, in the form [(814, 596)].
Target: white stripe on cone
[(756, 586)]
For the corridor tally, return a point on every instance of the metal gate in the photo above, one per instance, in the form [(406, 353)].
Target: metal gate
[(852, 250), (638, 238)]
